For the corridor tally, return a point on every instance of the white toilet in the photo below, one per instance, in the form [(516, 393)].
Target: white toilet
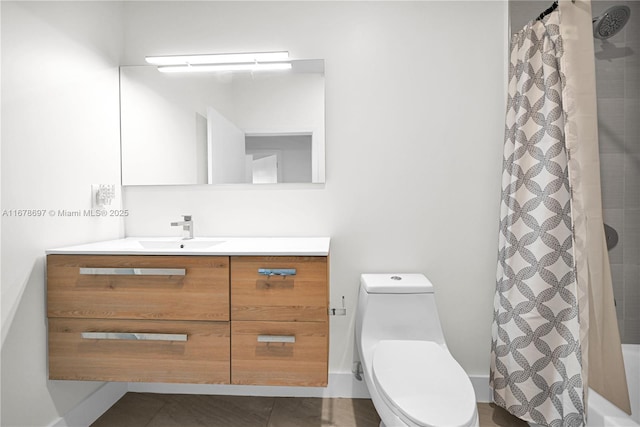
[(412, 378)]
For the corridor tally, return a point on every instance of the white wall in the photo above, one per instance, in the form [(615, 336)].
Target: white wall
[(60, 134), (414, 131)]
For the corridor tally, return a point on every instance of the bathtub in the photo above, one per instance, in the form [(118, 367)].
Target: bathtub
[(604, 414)]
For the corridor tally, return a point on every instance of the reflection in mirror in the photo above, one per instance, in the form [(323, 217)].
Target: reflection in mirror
[(222, 128)]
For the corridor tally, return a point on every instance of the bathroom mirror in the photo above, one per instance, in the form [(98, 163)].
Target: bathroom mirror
[(224, 127)]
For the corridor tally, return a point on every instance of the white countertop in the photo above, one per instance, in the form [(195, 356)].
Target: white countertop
[(259, 246)]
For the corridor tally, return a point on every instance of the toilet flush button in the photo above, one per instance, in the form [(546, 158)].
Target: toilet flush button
[(396, 278)]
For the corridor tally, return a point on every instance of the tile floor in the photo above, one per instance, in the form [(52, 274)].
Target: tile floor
[(180, 410)]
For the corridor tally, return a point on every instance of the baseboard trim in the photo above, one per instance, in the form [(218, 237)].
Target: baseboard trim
[(340, 385), (481, 387), (90, 409)]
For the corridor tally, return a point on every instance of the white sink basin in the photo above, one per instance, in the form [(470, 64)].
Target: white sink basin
[(178, 244)]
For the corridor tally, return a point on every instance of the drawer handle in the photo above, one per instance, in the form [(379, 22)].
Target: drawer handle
[(133, 336), (277, 271), (277, 338), (134, 271)]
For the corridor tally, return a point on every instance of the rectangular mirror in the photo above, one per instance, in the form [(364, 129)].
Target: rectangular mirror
[(223, 127)]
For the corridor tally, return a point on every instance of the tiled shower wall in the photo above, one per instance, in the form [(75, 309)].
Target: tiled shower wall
[(618, 91)]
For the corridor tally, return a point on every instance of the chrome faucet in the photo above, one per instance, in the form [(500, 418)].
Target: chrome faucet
[(187, 225)]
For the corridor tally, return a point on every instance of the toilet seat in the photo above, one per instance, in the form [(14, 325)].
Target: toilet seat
[(423, 384)]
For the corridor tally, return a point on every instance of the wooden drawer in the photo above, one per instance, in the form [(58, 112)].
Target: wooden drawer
[(202, 358), (255, 360), (300, 297), (197, 287)]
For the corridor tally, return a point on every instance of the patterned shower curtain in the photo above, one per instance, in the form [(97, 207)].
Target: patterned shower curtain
[(554, 333), (537, 357)]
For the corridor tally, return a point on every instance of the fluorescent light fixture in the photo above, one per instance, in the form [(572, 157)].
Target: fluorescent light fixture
[(265, 66), (219, 58)]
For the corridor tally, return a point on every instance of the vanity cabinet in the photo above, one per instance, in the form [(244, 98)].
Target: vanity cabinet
[(279, 320), (254, 320), (139, 318)]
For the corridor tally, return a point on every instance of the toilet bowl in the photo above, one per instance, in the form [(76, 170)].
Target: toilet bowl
[(412, 378)]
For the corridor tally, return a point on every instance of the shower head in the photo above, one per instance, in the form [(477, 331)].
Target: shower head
[(610, 22)]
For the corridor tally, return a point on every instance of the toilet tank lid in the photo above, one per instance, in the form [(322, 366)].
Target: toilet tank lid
[(407, 283)]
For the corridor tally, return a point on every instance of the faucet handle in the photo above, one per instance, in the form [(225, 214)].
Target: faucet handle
[(186, 217)]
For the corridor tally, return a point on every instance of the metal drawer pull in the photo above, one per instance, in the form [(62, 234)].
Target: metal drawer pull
[(277, 338), (134, 271), (133, 336), (277, 271)]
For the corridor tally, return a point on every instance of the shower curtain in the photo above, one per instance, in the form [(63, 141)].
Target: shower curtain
[(554, 299)]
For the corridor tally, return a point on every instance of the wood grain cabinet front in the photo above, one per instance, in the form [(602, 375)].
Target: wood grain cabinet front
[(279, 288), (254, 320), (138, 287), (139, 318), (279, 353), (279, 320), (139, 350)]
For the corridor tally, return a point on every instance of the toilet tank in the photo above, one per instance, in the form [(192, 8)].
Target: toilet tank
[(396, 283), (397, 307)]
